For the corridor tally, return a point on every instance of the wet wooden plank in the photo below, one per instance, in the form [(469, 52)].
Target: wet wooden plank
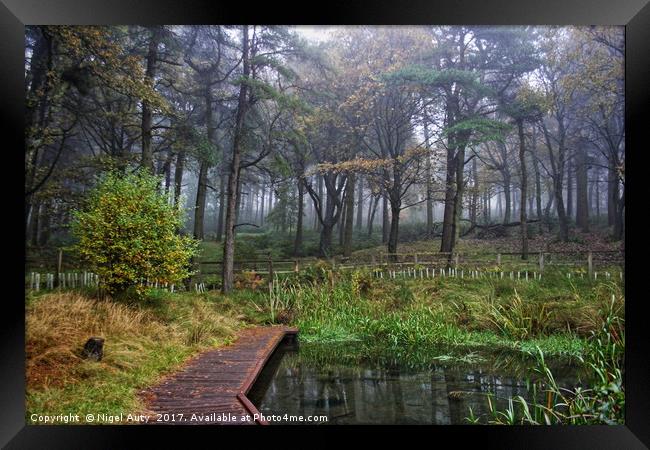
[(215, 383)]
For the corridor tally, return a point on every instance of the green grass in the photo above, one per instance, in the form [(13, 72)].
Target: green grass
[(411, 322), (105, 391), (144, 342), (280, 245), (406, 316), (603, 402)]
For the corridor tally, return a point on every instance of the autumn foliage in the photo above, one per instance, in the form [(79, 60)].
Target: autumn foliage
[(127, 232)]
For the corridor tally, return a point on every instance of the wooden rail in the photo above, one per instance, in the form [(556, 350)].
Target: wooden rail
[(269, 267)]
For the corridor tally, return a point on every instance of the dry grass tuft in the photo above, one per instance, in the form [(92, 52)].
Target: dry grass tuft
[(58, 325)]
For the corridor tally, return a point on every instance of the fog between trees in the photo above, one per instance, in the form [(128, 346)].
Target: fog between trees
[(456, 128)]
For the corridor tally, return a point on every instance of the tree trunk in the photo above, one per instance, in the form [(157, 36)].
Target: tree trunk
[(473, 212), (317, 224), (371, 214), (394, 229), (538, 188), (222, 207), (561, 212), (619, 225), (597, 176), (447, 244), (569, 189), (167, 171), (349, 214), (499, 205), (612, 192), (233, 176), (582, 192), (238, 202), (325, 244), (486, 206), (36, 109), (178, 176), (252, 193), (327, 227), (524, 189), (506, 197), (262, 201), (201, 190), (549, 204), (45, 221), (339, 225), (385, 224), (297, 244), (460, 191), (34, 223), (150, 74), (428, 181), (360, 205)]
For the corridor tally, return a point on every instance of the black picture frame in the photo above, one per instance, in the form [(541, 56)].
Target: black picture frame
[(15, 14)]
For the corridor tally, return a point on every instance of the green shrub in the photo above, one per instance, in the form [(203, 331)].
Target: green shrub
[(128, 233)]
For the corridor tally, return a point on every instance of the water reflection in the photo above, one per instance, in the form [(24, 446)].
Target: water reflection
[(376, 392)]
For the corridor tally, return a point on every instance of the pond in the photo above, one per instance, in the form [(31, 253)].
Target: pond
[(336, 382)]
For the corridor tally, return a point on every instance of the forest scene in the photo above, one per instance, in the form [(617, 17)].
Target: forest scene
[(402, 224)]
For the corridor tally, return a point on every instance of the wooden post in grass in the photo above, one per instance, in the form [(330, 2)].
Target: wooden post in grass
[(415, 258), (590, 264), (270, 270), (94, 349), (59, 266), (541, 261), (498, 259), (296, 266), (456, 261)]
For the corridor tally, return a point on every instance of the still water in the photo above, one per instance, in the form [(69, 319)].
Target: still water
[(309, 379)]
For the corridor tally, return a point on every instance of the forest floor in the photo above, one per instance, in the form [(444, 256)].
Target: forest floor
[(258, 245), (578, 242), (414, 321)]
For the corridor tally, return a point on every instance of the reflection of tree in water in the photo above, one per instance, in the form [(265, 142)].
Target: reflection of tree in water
[(314, 384)]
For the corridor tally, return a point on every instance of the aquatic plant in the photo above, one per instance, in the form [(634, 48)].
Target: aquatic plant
[(602, 403)]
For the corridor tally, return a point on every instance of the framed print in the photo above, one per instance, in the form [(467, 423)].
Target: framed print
[(390, 218)]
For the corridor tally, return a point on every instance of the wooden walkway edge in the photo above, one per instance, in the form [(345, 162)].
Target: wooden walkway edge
[(211, 388)]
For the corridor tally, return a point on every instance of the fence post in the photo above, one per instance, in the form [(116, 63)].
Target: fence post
[(498, 259), (415, 258), (270, 270), (541, 261), (590, 264), (456, 261), (59, 266), (296, 267)]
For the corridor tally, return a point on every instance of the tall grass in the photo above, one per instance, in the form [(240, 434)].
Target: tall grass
[(142, 343), (601, 403), (405, 314)]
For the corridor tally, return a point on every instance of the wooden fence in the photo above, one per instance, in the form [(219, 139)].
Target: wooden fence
[(390, 265)]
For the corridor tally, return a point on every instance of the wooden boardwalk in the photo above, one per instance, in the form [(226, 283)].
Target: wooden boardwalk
[(211, 388)]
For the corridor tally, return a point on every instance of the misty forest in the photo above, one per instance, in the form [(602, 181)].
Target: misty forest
[(436, 211)]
